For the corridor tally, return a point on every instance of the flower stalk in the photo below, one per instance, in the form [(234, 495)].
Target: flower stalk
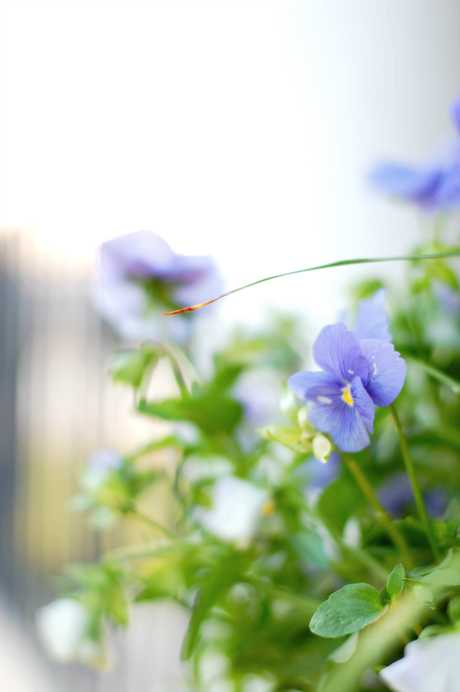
[(415, 485), (383, 516)]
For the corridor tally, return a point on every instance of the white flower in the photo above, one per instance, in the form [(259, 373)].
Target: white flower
[(429, 665), (236, 510), (62, 627)]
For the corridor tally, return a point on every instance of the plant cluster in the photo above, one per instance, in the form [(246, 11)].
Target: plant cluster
[(315, 546)]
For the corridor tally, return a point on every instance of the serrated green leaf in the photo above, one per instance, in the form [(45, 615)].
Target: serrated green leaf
[(395, 581), (347, 611)]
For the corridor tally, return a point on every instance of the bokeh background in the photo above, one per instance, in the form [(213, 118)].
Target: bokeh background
[(241, 129)]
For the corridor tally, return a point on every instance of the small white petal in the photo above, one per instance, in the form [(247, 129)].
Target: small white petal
[(321, 447), (62, 626), (237, 507), (429, 665)]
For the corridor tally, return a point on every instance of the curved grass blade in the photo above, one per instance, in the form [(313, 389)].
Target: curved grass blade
[(435, 373), (341, 263)]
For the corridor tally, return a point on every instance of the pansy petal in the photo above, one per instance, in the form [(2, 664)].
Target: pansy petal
[(372, 322), (336, 351), (447, 193), (406, 182), (328, 412), (342, 421), (431, 664), (363, 403), (350, 434), (140, 254), (302, 381), (323, 414), (387, 371)]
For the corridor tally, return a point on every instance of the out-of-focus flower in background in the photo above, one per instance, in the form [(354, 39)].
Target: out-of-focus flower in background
[(435, 186), (429, 665), (396, 495), (319, 474), (237, 506), (360, 371), (98, 468), (63, 627), (139, 277)]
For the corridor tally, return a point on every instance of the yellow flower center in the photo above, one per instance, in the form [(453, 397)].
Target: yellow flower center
[(268, 508), (346, 396)]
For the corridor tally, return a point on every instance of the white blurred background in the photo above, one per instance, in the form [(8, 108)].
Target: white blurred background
[(237, 128)]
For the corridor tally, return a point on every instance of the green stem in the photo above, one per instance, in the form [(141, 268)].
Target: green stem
[(368, 492), (152, 523), (435, 373), (135, 552), (341, 263), (166, 442), (415, 484)]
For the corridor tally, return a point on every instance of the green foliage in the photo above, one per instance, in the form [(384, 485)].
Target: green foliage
[(102, 590), (347, 611), (131, 367), (395, 582), (213, 414), (268, 601)]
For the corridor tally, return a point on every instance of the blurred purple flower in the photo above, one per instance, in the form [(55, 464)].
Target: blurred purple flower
[(449, 299), (435, 185), (397, 497), (360, 372), (320, 474), (98, 468), (139, 276)]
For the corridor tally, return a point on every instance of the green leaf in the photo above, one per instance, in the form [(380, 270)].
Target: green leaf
[(346, 650), (212, 413), (287, 435), (225, 376), (435, 373), (395, 581), (215, 585), (130, 367), (453, 609), (423, 594), (288, 405), (339, 501), (347, 611), (310, 545), (442, 577)]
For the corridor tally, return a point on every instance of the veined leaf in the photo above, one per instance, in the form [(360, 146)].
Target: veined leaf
[(347, 611)]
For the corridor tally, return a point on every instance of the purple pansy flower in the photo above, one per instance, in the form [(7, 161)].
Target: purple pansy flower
[(359, 371), (139, 276), (434, 186)]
